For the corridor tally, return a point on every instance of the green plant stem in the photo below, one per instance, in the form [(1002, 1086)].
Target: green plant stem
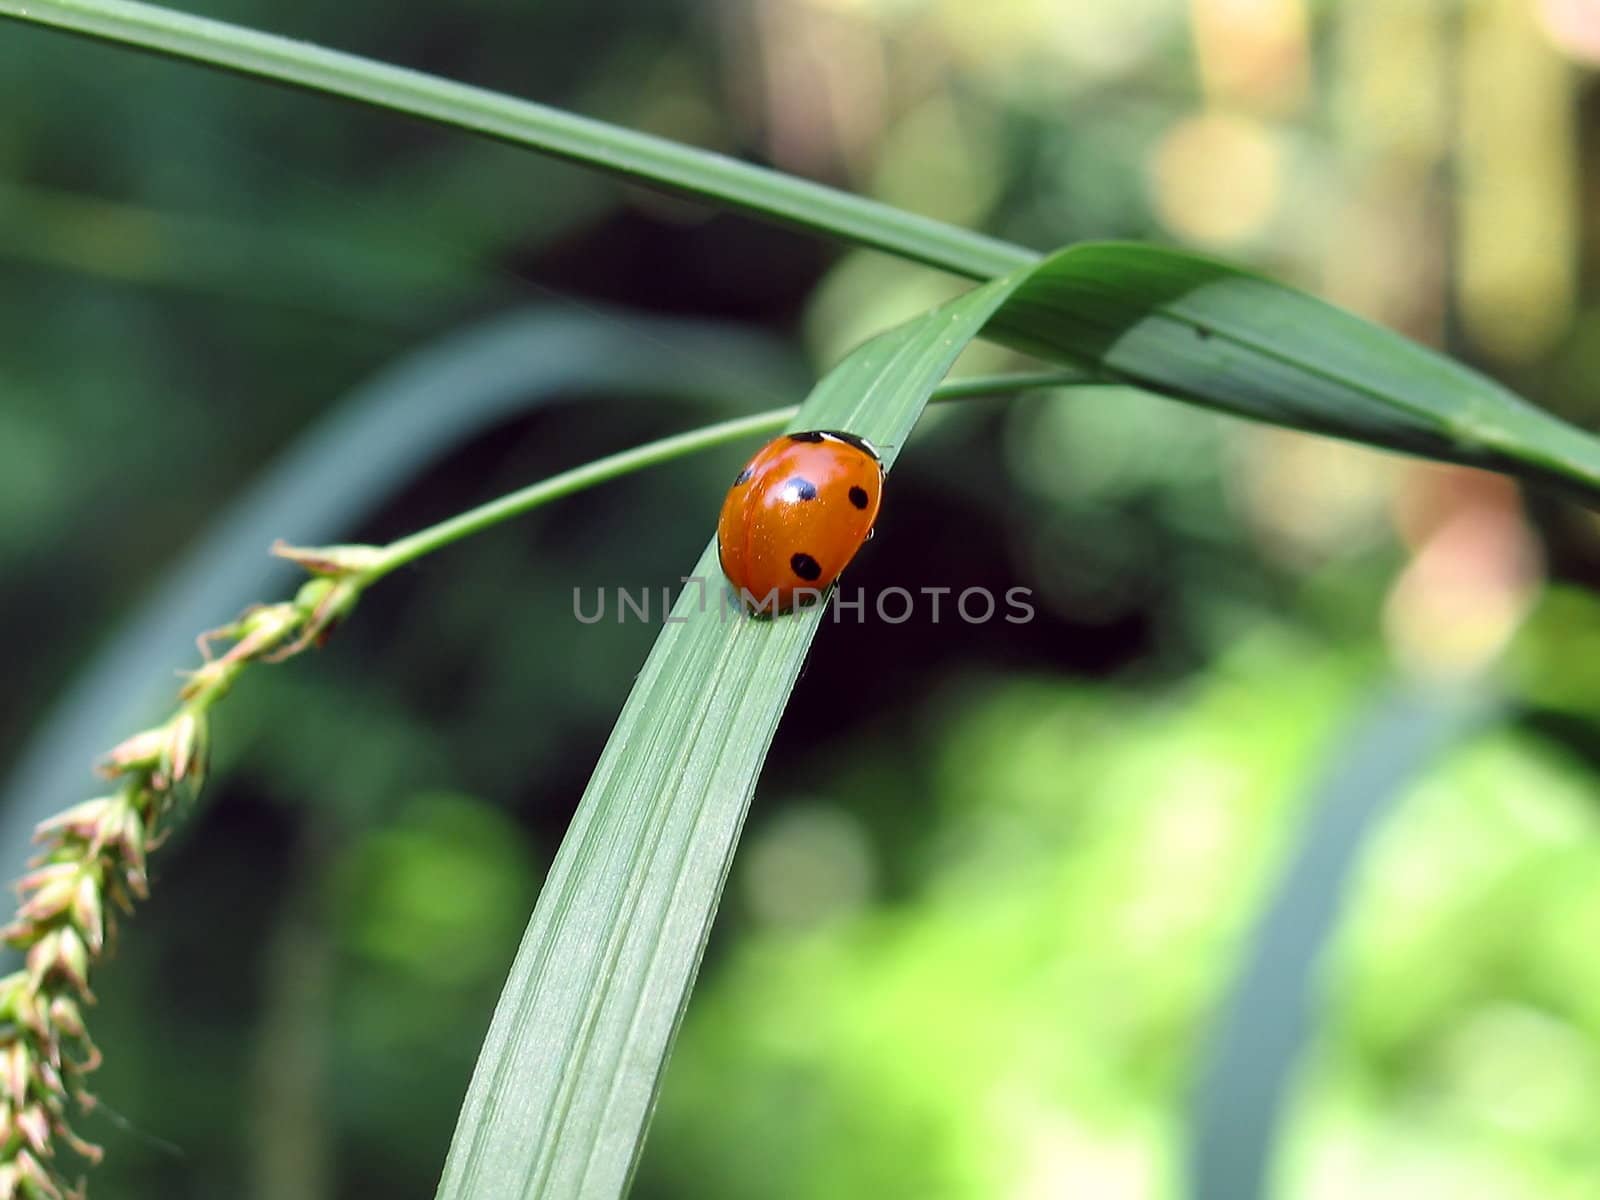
[(513, 504), (637, 157)]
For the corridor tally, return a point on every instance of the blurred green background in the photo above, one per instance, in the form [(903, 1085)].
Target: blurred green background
[(998, 880)]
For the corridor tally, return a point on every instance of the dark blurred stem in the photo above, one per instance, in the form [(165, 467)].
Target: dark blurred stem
[(1267, 1017), (289, 1137)]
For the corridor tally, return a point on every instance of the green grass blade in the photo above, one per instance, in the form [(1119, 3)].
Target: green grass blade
[(1210, 334), (638, 157), (568, 1073), (1169, 322), (565, 1083)]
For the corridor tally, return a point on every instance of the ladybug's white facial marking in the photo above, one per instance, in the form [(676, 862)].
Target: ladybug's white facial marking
[(856, 441)]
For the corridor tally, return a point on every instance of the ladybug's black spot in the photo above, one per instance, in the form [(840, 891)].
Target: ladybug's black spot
[(858, 497), (806, 567), (742, 477), (800, 489), (813, 436)]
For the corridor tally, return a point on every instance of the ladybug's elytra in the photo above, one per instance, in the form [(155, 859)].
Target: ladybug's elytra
[(796, 515)]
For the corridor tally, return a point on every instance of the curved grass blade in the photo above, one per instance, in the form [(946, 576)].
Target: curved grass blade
[(1169, 322), (1211, 334), (559, 1102), (639, 157), (568, 1073)]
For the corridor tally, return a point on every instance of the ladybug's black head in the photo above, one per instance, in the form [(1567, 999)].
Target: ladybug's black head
[(839, 435)]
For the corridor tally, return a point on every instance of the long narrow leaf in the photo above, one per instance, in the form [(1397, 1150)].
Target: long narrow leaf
[(636, 156), (1173, 323), (569, 1071), (565, 1083), (1211, 334)]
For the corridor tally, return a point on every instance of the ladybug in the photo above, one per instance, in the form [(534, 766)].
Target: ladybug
[(796, 515)]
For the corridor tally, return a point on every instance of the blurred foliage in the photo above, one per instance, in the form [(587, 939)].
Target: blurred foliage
[(998, 876)]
